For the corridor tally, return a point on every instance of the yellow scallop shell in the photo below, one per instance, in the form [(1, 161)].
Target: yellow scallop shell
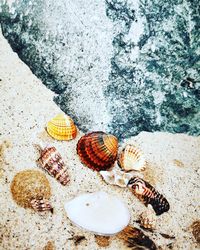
[(62, 128)]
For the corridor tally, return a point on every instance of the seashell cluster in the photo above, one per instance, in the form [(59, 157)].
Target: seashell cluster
[(62, 128), (136, 239), (99, 212), (30, 187), (148, 195), (148, 218), (132, 158), (116, 177), (51, 161), (98, 150)]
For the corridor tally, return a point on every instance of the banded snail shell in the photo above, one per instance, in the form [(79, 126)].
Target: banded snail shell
[(98, 150), (132, 158), (51, 161), (148, 195), (62, 128)]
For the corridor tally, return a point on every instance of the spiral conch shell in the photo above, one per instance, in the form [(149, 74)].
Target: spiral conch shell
[(31, 189), (116, 177), (148, 195), (132, 158), (148, 218), (62, 128), (98, 150), (51, 161)]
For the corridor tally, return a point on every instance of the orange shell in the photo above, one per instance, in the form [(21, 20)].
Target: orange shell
[(62, 128), (98, 150)]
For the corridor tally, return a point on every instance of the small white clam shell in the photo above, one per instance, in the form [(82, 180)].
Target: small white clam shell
[(116, 177), (99, 212)]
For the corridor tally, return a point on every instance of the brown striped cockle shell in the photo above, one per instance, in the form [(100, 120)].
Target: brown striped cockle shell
[(51, 161), (98, 150), (29, 188), (132, 158), (148, 195), (148, 218), (62, 128)]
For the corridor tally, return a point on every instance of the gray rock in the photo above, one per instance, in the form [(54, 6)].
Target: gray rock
[(119, 66)]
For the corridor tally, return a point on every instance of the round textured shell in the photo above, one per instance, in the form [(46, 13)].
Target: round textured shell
[(98, 150), (62, 128), (29, 185), (131, 158)]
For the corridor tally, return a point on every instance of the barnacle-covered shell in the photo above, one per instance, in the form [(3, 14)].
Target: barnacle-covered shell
[(62, 128), (132, 158), (148, 218), (51, 161), (98, 150), (148, 195), (29, 185), (116, 177), (134, 238)]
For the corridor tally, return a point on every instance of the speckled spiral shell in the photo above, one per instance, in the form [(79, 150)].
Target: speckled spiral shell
[(132, 158), (98, 150), (51, 161), (62, 128), (148, 195), (148, 218), (30, 185), (116, 177), (134, 238)]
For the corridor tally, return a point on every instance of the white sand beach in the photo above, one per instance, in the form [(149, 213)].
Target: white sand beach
[(25, 107)]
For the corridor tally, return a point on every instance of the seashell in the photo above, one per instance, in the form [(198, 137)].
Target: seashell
[(132, 158), (196, 230), (30, 186), (99, 212), (49, 246), (51, 161), (148, 218), (116, 177), (62, 128), (102, 241), (148, 195), (136, 239), (98, 150)]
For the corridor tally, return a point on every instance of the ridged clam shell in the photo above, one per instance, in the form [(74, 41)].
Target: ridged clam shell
[(51, 161), (116, 177), (29, 185), (132, 158), (98, 150), (148, 218), (41, 205), (62, 128), (148, 195)]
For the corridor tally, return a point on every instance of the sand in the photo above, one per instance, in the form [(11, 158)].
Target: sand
[(25, 107)]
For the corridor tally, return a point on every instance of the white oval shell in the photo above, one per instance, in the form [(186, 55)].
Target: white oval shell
[(116, 177), (99, 212), (132, 158)]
